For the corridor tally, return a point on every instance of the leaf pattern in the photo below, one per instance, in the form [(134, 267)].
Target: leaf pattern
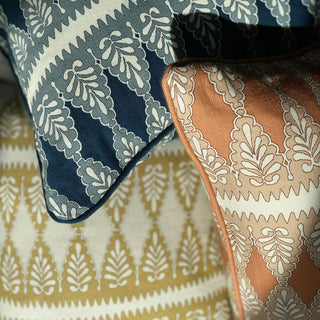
[(97, 178), (42, 277), (158, 118), (259, 161), (55, 124), (278, 245), (156, 30), (10, 126), (279, 9), (187, 183), (117, 269), (38, 16), (9, 271), (78, 270), (8, 196), (127, 145), (307, 141), (196, 315), (244, 11), (156, 263), (154, 184), (19, 48), (35, 195), (124, 58), (287, 305), (87, 87), (189, 257)]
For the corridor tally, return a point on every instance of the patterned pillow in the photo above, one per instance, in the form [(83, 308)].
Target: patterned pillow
[(91, 73), (253, 130), (148, 253)]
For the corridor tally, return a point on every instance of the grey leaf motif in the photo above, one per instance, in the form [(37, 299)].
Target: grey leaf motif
[(126, 144), (207, 29), (38, 16), (123, 56), (280, 9), (87, 88), (19, 48), (158, 118), (244, 11), (3, 19), (156, 30), (52, 120), (97, 178), (311, 5), (62, 207)]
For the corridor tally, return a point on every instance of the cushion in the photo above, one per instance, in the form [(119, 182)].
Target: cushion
[(90, 74), (149, 253), (252, 129)]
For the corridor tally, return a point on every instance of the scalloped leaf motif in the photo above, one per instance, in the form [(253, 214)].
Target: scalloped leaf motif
[(155, 28), (3, 19), (158, 118), (313, 242), (56, 126), (237, 241), (243, 11), (278, 247), (259, 162), (223, 311), (285, 304), (126, 144), (38, 16), (249, 298), (280, 9), (62, 207), (186, 7), (87, 88), (214, 165), (125, 59), (307, 140), (311, 5), (96, 177), (19, 48), (227, 83)]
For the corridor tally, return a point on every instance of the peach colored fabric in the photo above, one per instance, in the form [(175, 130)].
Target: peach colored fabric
[(253, 131)]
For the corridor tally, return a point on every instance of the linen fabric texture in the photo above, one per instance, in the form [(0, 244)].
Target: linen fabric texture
[(252, 128), (90, 72), (125, 262)]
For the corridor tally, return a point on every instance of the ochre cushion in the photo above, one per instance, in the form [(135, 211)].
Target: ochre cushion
[(252, 128), (149, 253)]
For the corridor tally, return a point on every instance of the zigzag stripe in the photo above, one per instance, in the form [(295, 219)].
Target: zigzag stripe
[(172, 297), (75, 28), (286, 206), (13, 157)]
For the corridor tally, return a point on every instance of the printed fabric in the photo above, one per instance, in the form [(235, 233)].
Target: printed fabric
[(90, 72), (253, 129)]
